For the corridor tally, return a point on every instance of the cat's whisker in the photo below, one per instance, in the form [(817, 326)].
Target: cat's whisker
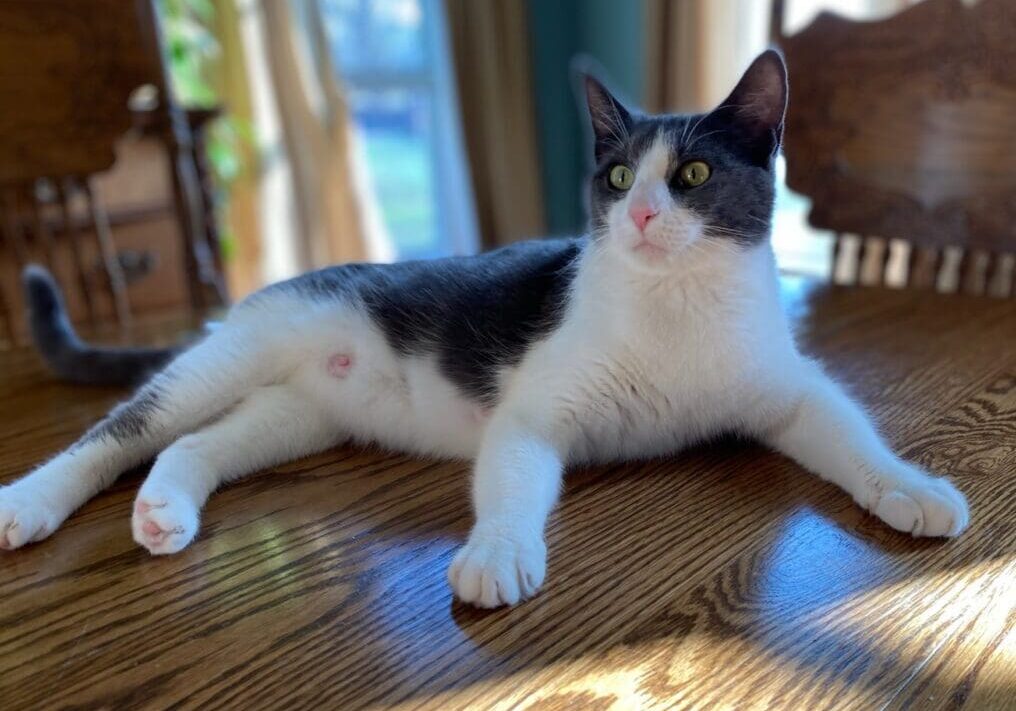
[(702, 118), (691, 145), (732, 232), (684, 132)]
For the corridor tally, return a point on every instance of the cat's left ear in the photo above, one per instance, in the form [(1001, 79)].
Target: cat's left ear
[(611, 121), (758, 103)]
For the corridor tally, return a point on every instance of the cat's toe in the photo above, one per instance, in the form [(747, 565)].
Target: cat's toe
[(925, 507), (900, 511), (164, 521), (946, 512), (24, 518), (493, 570)]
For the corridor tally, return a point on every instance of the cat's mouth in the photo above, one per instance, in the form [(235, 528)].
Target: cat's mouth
[(649, 249)]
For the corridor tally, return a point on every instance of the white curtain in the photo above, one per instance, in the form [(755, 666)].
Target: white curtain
[(307, 200), (698, 48)]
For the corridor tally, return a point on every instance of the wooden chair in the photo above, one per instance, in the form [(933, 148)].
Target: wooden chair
[(68, 70), (902, 132)]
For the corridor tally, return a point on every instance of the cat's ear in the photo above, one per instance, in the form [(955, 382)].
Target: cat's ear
[(611, 121), (758, 103)]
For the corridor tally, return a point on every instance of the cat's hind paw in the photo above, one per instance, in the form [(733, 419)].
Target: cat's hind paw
[(494, 569), (25, 517), (922, 506), (164, 520)]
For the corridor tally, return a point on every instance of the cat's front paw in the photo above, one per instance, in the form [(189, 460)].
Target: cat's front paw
[(919, 505), (495, 568), (25, 516)]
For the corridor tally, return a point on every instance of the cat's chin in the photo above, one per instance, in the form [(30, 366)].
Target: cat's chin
[(647, 258), (652, 260), (650, 256), (649, 251), (659, 252)]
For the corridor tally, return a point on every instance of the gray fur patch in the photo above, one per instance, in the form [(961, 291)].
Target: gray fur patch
[(128, 421), (474, 314)]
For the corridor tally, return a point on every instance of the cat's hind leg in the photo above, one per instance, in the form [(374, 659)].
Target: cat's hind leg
[(195, 388), (273, 424)]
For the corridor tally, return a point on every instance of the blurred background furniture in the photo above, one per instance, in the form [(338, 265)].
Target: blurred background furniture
[(901, 132), (83, 89)]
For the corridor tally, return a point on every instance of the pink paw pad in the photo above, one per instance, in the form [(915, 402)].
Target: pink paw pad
[(152, 529), (339, 365)]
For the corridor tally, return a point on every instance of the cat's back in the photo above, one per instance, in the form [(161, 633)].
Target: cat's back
[(517, 283), (475, 315), (532, 267)]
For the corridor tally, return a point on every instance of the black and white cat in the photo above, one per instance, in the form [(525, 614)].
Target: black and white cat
[(661, 329)]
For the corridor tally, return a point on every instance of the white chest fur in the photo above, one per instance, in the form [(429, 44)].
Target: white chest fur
[(641, 368)]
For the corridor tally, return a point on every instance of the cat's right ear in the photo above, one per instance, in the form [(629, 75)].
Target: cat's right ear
[(611, 121), (758, 104)]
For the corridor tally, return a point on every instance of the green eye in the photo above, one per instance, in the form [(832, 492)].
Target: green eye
[(621, 177), (694, 173)]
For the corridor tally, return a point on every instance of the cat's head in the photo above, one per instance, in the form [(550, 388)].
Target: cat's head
[(663, 184)]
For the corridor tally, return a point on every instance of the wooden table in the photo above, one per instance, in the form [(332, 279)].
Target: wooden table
[(723, 577)]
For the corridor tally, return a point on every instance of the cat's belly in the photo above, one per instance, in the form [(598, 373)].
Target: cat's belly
[(613, 408), (624, 407), (630, 429), (399, 403), (406, 405)]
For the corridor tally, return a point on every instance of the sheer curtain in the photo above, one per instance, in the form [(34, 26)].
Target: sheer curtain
[(697, 48), (490, 47), (305, 200)]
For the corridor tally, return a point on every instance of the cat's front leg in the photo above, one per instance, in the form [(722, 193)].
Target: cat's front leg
[(830, 435), (516, 482)]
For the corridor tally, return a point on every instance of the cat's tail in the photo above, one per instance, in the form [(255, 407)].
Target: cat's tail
[(71, 358)]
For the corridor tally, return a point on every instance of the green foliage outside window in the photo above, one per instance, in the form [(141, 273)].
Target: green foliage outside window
[(191, 48)]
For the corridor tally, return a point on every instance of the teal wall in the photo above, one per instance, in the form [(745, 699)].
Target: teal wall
[(611, 32)]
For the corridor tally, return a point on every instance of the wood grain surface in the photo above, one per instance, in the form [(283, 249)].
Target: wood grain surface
[(724, 577)]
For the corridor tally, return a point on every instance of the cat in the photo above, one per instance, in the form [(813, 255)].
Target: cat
[(660, 329)]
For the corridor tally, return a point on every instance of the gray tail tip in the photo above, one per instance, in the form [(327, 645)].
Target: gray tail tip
[(41, 291)]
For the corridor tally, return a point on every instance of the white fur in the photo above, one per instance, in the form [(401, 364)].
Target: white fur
[(659, 349)]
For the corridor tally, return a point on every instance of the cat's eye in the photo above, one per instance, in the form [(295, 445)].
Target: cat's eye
[(621, 177), (694, 173)]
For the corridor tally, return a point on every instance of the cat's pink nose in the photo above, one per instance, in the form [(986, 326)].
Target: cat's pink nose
[(641, 215)]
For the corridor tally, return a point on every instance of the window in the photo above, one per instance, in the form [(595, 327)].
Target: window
[(395, 65)]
